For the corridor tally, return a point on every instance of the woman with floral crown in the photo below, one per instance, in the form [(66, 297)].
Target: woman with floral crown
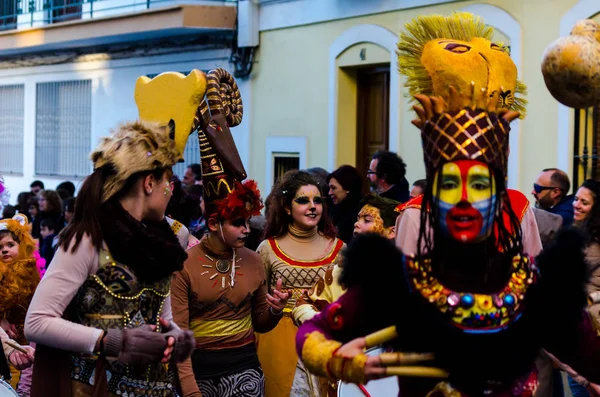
[(101, 317), (468, 315)]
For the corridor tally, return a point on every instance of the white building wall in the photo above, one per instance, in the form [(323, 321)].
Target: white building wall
[(113, 82)]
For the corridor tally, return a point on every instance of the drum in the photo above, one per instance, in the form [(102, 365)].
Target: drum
[(386, 387), (6, 390)]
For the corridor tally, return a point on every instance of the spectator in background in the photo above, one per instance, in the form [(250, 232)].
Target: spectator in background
[(387, 174), (192, 176), (8, 212), (66, 190), (23, 203), (68, 209), (51, 207), (182, 207), (550, 191), (257, 230), (320, 175), (345, 192), (34, 214), (48, 241), (36, 187), (418, 188), (198, 227)]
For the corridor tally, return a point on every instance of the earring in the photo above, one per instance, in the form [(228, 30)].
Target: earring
[(150, 191)]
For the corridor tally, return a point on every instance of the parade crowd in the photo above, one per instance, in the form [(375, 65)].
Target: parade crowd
[(145, 284)]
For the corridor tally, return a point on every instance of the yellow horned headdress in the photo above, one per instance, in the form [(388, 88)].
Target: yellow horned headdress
[(167, 106), (437, 52)]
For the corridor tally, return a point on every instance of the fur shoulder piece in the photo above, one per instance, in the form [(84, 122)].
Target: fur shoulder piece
[(370, 259)]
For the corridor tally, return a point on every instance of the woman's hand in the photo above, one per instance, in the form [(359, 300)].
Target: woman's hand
[(373, 368), (9, 328), (166, 326), (21, 360), (279, 299)]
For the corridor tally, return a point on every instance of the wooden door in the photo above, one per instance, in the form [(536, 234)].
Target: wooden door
[(372, 125)]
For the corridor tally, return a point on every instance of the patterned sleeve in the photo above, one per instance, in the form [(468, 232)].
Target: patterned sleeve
[(263, 251), (326, 290)]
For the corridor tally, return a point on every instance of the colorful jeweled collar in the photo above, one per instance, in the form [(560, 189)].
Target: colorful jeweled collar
[(474, 313)]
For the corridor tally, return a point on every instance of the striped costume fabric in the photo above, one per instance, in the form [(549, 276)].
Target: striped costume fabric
[(248, 383)]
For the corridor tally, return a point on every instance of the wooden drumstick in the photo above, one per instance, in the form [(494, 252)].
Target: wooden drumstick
[(16, 346), (421, 372), (398, 358), (380, 337)]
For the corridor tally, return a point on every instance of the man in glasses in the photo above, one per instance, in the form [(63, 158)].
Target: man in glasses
[(550, 191), (386, 176)]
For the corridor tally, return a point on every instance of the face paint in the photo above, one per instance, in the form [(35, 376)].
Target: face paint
[(168, 188), (307, 207), (369, 221), (467, 197)]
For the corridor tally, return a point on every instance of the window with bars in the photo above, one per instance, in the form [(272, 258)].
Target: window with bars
[(585, 142), (191, 155), (63, 128), (284, 162), (12, 109)]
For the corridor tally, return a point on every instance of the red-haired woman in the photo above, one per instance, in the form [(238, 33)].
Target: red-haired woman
[(300, 245)]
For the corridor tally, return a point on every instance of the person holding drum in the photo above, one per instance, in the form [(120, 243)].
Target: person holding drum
[(101, 316), (376, 215), (468, 314)]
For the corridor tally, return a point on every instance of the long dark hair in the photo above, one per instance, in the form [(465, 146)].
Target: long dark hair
[(591, 223), (281, 198), (86, 217), (506, 235)]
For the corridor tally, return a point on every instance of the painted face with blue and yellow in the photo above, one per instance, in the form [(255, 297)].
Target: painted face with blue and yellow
[(466, 193)]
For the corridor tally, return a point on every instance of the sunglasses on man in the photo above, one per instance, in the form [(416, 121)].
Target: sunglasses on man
[(539, 188)]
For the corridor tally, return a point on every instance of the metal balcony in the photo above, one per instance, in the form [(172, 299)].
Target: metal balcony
[(16, 14)]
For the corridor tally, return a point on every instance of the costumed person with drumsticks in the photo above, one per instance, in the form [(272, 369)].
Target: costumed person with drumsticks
[(18, 280), (221, 293), (376, 215), (101, 316), (474, 309)]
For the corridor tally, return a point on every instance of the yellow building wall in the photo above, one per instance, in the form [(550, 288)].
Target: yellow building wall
[(291, 89)]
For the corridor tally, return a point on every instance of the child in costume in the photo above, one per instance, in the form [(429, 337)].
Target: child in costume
[(474, 307), (102, 315), (221, 293), (18, 280)]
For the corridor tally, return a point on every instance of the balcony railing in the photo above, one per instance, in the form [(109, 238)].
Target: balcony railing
[(30, 13)]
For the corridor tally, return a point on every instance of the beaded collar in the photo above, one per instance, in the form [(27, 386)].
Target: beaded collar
[(474, 313)]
